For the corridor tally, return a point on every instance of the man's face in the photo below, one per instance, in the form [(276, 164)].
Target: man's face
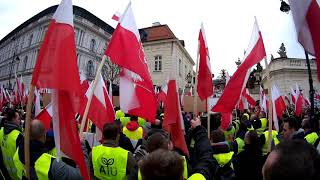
[(16, 119), (287, 131)]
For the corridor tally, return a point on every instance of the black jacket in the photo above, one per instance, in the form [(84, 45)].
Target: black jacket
[(125, 143), (248, 164), (201, 154)]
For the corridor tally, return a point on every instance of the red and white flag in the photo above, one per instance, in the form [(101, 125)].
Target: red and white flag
[(248, 97), (254, 54), (306, 15), (45, 116), (37, 107), (264, 103), (116, 16), (56, 68), (279, 107), (173, 122), (101, 109), (137, 96), (204, 78), (182, 98)]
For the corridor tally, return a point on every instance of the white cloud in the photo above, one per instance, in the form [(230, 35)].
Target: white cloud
[(228, 24)]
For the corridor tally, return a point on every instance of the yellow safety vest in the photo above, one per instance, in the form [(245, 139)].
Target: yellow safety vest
[(53, 152), (42, 166), (275, 140), (311, 138), (223, 158), (240, 144), (185, 170), (8, 148), (109, 162), (18, 164), (133, 135), (119, 114), (124, 120), (141, 121), (263, 127), (229, 134), (197, 176)]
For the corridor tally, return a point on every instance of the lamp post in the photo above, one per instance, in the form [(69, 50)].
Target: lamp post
[(314, 123)]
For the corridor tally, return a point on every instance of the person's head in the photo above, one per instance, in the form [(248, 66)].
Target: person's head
[(251, 138), (13, 116), (162, 164), (292, 159), (306, 125), (217, 136), (159, 140), (256, 123), (37, 131), (134, 118), (289, 127), (263, 114), (111, 131)]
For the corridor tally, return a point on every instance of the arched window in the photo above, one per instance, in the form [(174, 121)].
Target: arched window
[(25, 63), (92, 45), (30, 39), (90, 68)]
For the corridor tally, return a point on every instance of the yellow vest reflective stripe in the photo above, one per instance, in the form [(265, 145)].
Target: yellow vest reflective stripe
[(274, 138), (240, 144), (185, 170), (109, 162), (124, 120), (311, 138), (8, 148), (18, 164), (133, 135), (42, 166), (141, 121), (53, 152), (197, 176), (223, 158), (119, 114)]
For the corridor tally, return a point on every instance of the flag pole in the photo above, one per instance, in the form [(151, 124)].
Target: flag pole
[(208, 117), (270, 105), (195, 99), (86, 111), (27, 131)]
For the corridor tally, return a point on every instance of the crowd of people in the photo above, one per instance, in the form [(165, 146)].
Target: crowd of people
[(132, 148)]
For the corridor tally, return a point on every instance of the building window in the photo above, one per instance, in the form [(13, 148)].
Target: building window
[(92, 45), (30, 39), (180, 64), (158, 63), (25, 63), (90, 68)]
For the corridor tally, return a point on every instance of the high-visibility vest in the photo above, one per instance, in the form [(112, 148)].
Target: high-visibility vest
[(240, 143), (53, 152), (133, 135), (274, 138), (311, 138), (229, 134), (124, 120), (247, 115), (109, 162), (197, 176), (141, 121), (42, 166), (119, 114), (9, 147), (19, 166), (263, 127), (185, 170), (223, 158)]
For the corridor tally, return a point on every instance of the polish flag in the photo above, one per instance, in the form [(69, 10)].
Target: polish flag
[(248, 98), (163, 93), (226, 120), (254, 54), (37, 108), (287, 99), (298, 106), (57, 69), (45, 116), (204, 78), (172, 121), (264, 104), (116, 16), (101, 109), (137, 96), (306, 15), (293, 96), (279, 107), (182, 98)]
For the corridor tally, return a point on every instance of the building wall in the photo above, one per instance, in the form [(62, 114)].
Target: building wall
[(171, 52), (27, 42), (285, 73)]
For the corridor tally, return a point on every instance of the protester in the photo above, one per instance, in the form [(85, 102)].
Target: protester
[(133, 131), (42, 164), (294, 160), (10, 138), (291, 129), (310, 136), (108, 160), (249, 162)]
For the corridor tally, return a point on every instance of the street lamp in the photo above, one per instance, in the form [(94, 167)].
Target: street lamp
[(314, 122)]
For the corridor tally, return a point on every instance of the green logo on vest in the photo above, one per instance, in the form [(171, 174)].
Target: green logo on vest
[(105, 169)]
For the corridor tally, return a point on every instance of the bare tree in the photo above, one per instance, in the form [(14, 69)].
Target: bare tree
[(111, 72)]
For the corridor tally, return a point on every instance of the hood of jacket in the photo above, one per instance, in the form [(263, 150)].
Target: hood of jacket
[(132, 126), (9, 126), (221, 147)]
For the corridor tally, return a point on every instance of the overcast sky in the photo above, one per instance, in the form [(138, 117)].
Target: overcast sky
[(228, 23)]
